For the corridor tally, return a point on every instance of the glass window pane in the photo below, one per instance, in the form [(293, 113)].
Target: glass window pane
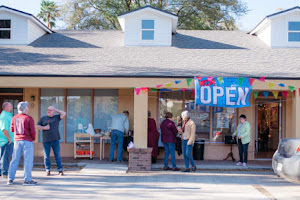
[(147, 35), (105, 105), (56, 98), (5, 34), (4, 23), (78, 110), (294, 37), (224, 123), (294, 26), (147, 24)]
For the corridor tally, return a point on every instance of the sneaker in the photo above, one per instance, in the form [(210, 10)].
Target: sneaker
[(187, 170), (239, 164), (245, 164), (111, 160), (4, 176), (175, 169), (61, 173), (167, 168), (120, 161), (48, 173), (194, 169), (29, 183), (10, 182)]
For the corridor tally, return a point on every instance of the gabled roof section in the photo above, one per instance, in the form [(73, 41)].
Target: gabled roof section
[(28, 15), (268, 17), (173, 17)]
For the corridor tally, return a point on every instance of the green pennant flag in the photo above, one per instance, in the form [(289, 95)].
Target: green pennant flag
[(255, 94), (220, 79), (241, 81), (153, 89), (188, 81), (292, 88)]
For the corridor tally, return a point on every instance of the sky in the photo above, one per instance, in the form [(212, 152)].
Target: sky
[(258, 9)]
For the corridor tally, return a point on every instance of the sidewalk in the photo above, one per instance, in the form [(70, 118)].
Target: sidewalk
[(218, 165)]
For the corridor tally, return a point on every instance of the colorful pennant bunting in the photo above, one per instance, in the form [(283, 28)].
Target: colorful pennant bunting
[(299, 91), (284, 93), (137, 90), (184, 89), (251, 80), (158, 86), (188, 81), (255, 93), (271, 85), (275, 93), (145, 89), (210, 80), (291, 88), (220, 79), (281, 85), (153, 89), (178, 82), (174, 89), (266, 94), (263, 79), (241, 81), (168, 85)]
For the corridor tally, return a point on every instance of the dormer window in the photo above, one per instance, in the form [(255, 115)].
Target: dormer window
[(294, 32), (147, 29), (5, 28)]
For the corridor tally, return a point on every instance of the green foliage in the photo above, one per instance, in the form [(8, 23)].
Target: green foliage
[(193, 14), (49, 12)]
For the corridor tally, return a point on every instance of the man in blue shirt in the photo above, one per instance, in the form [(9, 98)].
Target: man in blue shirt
[(119, 127), (6, 138)]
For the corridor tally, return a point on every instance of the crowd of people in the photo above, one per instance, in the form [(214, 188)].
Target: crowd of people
[(17, 134)]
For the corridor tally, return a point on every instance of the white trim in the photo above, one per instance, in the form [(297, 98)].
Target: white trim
[(141, 31), (149, 8), (292, 31)]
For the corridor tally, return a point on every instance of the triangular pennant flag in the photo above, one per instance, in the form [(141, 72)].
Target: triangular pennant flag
[(284, 93), (168, 85), (299, 91), (266, 94), (211, 80), (153, 89), (251, 80), (241, 81), (188, 81), (199, 78), (292, 88), (184, 89), (145, 89), (263, 79), (255, 94), (174, 89), (271, 85), (178, 82), (137, 90), (275, 93), (158, 86), (220, 79), (281, 85)]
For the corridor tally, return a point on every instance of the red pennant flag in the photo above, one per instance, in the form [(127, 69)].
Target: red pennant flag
[(145, 89), (251, 80), (137, 90), (184, 89), (158, 86), (299, 91), (284, 93), (199, 78), (263, 79), (211, 80)]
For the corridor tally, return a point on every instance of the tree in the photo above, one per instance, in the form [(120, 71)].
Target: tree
[(49, 12), (192, 14)]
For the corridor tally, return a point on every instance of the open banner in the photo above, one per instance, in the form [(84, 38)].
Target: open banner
[(222, 92)]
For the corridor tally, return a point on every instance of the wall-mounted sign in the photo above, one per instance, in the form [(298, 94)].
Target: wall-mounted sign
[(225, 92)]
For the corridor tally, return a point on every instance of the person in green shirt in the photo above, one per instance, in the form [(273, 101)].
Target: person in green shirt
[(243, 134), (6, 138)]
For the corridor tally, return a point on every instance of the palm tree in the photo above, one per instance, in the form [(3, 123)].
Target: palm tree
[(49, 12)]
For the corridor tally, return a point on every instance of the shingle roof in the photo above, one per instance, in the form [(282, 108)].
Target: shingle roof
[(101, 53)]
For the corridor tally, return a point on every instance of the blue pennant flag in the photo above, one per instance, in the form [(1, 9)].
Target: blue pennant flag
[(266, 93), (177, 82), (281, 85)]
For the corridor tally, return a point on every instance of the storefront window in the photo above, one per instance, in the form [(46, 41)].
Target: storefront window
[(53, 97), (105, 105), (224, 123), (78, 111)]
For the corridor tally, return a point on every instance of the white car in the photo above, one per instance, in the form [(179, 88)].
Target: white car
[(286, 160)]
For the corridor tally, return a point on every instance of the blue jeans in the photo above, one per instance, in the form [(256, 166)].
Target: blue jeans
[(26, 148), (116, 136), (56, 150), (243, 151), (5, 154), (187, 154), (170, 149)]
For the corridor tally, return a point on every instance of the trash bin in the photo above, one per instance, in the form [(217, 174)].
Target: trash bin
[(198, 150)]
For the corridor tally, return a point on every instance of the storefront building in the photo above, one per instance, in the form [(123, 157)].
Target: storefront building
[(94, 74)]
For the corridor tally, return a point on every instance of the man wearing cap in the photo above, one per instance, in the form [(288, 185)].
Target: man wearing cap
[(49, 124), (24, 132), (119, 126), (6, 138)]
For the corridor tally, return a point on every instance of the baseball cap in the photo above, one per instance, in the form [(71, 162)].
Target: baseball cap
[(22, 106)]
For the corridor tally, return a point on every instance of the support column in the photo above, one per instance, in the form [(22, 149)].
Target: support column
[(296, 116), (140, 119)]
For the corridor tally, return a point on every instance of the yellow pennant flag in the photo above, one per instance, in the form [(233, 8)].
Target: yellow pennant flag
[(275, 93), (271, 85), (174, 89), (168, 85)]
